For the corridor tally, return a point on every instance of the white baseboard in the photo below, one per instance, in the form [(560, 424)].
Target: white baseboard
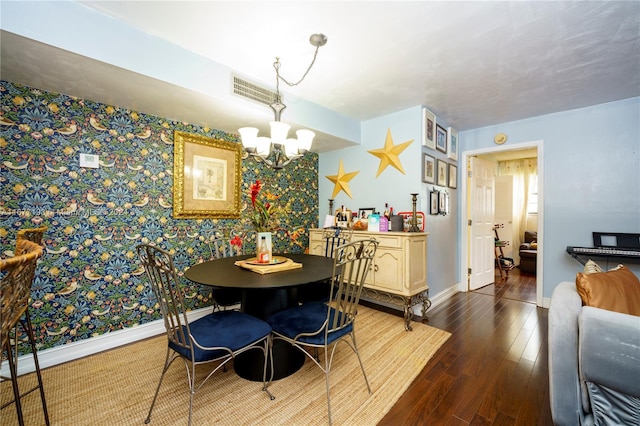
[(65, 353)]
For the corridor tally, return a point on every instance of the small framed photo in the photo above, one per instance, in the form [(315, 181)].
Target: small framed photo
[(428, 129), (453, 176), (429, 169), (452, 145), (442, 173), (365, 212), (434, 202), (443, 203), (441, 139)]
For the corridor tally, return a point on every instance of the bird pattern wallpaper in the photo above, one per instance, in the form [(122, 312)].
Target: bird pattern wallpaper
[(89, 281)]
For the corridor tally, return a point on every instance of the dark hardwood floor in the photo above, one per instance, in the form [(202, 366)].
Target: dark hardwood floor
[(493, 368)]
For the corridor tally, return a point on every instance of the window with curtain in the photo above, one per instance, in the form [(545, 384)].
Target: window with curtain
[(525, 193)]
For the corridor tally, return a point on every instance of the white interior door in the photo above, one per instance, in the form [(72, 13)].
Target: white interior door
[(481, 214)]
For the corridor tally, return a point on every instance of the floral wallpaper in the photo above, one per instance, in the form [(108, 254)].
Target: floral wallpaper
[(89, 281)]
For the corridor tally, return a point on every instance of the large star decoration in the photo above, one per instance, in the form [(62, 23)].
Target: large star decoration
[(389, 154), (341, 181)]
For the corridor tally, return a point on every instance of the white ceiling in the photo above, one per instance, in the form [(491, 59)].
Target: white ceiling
[(473, 63)]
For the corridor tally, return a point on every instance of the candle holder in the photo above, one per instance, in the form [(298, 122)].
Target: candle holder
[(330, 205), (414, 218)]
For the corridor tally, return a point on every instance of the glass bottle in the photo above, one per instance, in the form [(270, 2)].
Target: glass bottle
[(263, 251)]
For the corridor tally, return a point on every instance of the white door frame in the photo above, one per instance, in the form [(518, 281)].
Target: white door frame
[(464, 219)]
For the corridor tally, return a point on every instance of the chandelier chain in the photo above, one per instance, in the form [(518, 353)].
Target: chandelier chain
[(276, 65)]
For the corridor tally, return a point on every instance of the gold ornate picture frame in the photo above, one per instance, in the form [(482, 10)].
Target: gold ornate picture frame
[(207, 176)]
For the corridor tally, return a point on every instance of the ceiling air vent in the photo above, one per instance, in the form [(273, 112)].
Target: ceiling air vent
[(252, 91)]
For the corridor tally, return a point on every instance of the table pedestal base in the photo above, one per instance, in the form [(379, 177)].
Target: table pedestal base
[(287, 360)]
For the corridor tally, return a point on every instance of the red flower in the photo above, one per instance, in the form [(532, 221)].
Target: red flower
[(255, 190), (236, 241)]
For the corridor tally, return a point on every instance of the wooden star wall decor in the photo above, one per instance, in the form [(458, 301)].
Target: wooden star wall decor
[(341, 181), (389, 154)]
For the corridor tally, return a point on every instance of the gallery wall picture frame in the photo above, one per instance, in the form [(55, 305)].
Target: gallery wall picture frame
[(443, 203), (452, 145), (453, 176), (441, 139), (434, 201), (428, 128), (442, 173), (207, 176), (428, 168)]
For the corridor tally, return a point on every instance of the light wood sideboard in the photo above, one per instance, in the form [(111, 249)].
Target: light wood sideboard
[(399, 273)]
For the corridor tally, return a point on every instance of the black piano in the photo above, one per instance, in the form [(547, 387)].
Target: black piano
[(617, 246)]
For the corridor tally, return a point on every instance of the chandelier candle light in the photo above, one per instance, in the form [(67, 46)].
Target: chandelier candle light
[(278, 150)]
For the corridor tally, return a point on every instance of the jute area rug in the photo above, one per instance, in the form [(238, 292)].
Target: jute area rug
[(116, 387)]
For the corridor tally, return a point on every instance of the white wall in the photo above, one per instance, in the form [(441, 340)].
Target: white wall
[(591, 176)]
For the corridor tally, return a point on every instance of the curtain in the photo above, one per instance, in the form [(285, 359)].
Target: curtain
[(522, 170)]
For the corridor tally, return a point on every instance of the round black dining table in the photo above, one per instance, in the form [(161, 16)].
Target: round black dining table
[(262, 296)]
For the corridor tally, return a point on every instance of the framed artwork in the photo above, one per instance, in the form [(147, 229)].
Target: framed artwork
[(442, 173), (441, 139), (453, 176), (443, 203), (452, 150), (434, 202), (429, 169), (207, 177), (365, 212), (428, 129)]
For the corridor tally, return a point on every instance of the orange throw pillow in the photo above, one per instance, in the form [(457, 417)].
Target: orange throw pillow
[(616, 290)]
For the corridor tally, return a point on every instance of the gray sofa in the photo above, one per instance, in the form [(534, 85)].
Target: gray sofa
[(594, 363)]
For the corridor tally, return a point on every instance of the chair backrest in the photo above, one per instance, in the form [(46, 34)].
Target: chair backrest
[(220, 247), (15, 287), (335, 237), (30, 234), (351, 264), (163, 279)]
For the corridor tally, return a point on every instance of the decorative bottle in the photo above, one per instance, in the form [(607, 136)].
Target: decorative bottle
[(263, 251)]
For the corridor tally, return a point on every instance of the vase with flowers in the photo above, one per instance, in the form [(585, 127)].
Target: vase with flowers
[(265, 215)]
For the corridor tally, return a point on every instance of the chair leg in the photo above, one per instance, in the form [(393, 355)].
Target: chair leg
[(268, 352), (326, 378), (355, 349), (29, 330), (13, 371), (167, 363)]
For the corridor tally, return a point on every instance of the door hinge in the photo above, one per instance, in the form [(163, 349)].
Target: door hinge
[(470, 222), (469, 271)]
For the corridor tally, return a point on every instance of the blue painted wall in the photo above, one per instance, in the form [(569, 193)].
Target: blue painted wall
[(394, 187), (591, 176)]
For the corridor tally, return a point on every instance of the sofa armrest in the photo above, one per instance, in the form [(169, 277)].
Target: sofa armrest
[(610, 349), (525, 246), (564, 380)]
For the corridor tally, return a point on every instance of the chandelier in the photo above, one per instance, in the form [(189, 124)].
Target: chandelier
[(278, 150)]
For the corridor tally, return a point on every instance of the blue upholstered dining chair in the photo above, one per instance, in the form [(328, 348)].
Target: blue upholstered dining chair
[(324, 325), (216, 337)]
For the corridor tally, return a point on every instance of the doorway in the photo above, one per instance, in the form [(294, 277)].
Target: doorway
[(525, 285)]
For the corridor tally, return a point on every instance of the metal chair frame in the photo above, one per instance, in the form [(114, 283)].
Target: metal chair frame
[(335, 237), (164, 281), (15, 290), (351, 263), (220, 247)]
